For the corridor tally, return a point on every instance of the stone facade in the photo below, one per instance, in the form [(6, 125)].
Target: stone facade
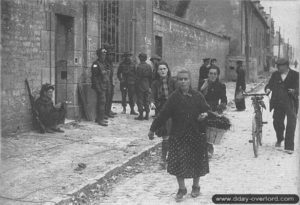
[(228, 17), (185, 44)]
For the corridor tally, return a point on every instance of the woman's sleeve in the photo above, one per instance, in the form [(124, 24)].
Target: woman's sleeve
[(163, 115)]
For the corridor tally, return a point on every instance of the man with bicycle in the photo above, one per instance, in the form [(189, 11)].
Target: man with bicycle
[(284, 87)]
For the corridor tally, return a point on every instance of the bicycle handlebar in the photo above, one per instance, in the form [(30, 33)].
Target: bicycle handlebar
[(255, 94)]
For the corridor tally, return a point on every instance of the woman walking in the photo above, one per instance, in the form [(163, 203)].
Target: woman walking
[(162, 86), (187, 156)]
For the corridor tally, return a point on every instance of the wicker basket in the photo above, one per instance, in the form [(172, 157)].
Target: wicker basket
[(214, 135)]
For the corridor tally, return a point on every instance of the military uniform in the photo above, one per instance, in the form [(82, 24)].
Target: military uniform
[(110, 90), (127, 77), (143, 86), (100, 83)]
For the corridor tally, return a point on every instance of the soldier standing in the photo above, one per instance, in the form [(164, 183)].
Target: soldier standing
[(100, 83), (127, 77), (203, 72), (143, 87), (110, 90)]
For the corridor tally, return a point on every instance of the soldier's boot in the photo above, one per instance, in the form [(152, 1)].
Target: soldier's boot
[(113, 113), (140, 117), (102, 123), (132, 112), (109, 115), (124, 110), (147, 116)]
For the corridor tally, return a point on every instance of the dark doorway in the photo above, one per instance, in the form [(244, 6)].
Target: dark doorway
[(64, 53), (158, 46)]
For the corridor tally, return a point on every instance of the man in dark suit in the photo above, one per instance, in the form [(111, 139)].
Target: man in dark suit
[(284, 87)]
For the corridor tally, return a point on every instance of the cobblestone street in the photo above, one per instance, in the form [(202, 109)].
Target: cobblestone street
[(233, 169)]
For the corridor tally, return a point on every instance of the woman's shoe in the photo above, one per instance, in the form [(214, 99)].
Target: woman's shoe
[(195, 191), (180, 194)]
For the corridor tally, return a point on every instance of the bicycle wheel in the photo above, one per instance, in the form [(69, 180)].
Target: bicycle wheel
[(259, 128), (255, 134)]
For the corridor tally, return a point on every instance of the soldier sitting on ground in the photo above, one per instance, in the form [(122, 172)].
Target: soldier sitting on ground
[(51, 115)]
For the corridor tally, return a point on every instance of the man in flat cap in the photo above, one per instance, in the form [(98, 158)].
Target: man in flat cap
[(284, 85), (51, 115), (213, 62), (100, 83), (127, 77), (143, 87)]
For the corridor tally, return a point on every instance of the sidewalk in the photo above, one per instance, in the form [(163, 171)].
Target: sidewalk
[(42, 167)]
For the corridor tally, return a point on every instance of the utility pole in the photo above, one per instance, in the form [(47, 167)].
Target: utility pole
[(247, 38), (287, 49), (279, 39)]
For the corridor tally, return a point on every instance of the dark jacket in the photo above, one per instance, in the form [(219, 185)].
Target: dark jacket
[(184, 113), (203, 72), (100, 76), (157, 92), (144, 77), (215, 93), (110, 68), (240, 81), (48, 114), (279, 88), (127, 72)]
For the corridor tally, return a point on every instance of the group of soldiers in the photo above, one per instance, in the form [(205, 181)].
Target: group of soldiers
[(135, 81)]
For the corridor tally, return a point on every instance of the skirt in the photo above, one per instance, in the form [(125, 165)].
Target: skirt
[(188, 157)]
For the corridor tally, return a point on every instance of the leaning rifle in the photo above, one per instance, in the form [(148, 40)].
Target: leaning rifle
[(34, 112)]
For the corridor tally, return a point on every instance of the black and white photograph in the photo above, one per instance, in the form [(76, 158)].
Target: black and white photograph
[(149, 102)]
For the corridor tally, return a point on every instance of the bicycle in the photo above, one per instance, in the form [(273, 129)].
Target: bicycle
[(257, 121)]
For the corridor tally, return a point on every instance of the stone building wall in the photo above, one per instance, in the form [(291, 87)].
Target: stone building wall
[(185, 44)]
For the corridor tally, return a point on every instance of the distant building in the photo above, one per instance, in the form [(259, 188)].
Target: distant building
[(227, 17)]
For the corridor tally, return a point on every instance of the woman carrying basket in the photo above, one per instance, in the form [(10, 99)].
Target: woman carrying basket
[(187, 157), (162, 87), (215, 94)]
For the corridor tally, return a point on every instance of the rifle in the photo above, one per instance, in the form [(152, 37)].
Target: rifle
[(34, 112)]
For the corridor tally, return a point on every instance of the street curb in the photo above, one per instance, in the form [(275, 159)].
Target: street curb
[(94, 183)]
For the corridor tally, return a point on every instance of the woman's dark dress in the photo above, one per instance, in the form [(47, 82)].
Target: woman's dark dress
[(188, 156), (215, 94), (240, 104)]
